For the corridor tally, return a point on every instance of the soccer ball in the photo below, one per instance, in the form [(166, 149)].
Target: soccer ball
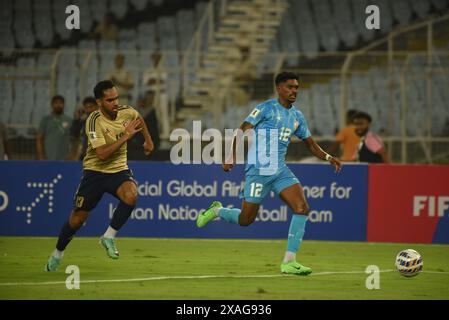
[(409, 263)]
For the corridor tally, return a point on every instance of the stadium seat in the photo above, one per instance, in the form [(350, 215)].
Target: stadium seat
[(200, 8), (167, 33), (98, 9), (87, 44), (343, 22), (402, 11), (185, 27), (23, 104), (157, 3), (420, 7), (359, 17), (308, 36), (386, 22), (146, 36), (42, 101), (139, 4), (326, 29), (119, 8), (107, 45), (6, 103), (288, 39), (440, 4)]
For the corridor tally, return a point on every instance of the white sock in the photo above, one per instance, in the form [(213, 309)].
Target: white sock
[(58, 254), (110, 233), (289, 256)]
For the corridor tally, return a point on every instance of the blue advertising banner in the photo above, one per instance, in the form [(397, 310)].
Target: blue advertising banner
[(36, 199)]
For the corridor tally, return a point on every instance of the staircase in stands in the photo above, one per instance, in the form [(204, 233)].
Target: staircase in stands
[(242, 28)]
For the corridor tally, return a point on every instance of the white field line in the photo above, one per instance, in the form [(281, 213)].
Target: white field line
[(194, 277), (199, 277)]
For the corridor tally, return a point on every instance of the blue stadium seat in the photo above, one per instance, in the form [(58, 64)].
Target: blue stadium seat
[(440, 4), (402, 11), (6, 103), (420, 7), (288, 39), (139, 4), (118, 7), (146, 36), (343, 22)]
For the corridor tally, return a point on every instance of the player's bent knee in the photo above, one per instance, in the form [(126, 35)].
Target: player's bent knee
[(302, 209), (76, 221), (130, 198)]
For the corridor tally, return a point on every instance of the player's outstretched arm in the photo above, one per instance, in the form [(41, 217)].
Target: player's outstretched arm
[(229, 163), (148, 145), (105, 151), (316, 150)]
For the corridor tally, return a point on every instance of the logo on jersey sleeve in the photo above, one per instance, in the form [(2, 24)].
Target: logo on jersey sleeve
[(255, 113), (93, 135), (295, 125)]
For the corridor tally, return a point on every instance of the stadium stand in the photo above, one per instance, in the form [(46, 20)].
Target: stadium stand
[(308, 30)]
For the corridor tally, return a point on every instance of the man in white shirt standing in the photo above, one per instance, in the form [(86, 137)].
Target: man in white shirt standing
[(155, 78), (122, 78)]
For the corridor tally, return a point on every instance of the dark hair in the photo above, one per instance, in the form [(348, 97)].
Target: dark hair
[(362, 115), (350, 114), (90, 100), (101, 87), (56, 98), (284, 76)]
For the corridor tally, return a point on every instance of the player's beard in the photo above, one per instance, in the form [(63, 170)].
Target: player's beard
[(112, 114)]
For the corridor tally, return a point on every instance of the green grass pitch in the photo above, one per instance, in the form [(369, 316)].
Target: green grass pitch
[(216, 269)]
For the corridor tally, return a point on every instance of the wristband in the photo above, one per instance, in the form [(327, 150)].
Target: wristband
[(328, 157)]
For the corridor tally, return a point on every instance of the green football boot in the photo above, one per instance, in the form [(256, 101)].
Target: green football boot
[(52, 264), (294, 267), (208, 215), (109, 245)]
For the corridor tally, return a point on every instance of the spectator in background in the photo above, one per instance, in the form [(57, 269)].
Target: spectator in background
[(155, 77), (347, 139), (53, 136), (122, 78), (77, 130), (107, 29), (371, 149), (4, 155)]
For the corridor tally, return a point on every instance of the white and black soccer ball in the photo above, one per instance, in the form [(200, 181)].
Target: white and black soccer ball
[(409, 263)]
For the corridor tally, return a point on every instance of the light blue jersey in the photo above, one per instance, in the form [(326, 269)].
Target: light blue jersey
[(274, 126)]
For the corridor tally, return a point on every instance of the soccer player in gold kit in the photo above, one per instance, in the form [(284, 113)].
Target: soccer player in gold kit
[(105, 169)]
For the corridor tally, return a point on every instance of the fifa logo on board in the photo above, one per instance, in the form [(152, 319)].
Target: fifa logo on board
[(435, 205)]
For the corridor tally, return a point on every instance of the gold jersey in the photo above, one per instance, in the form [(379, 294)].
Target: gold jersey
[(100, 131)]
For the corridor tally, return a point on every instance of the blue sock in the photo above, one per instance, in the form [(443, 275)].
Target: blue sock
[(296, 232), (230, 215)]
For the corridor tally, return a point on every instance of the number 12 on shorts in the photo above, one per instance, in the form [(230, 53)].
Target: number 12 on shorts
[(255, 190)]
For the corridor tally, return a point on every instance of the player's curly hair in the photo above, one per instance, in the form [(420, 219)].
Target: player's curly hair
[(284, 76)]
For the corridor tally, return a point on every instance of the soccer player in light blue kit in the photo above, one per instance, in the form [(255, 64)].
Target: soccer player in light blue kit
[(275, 120)]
